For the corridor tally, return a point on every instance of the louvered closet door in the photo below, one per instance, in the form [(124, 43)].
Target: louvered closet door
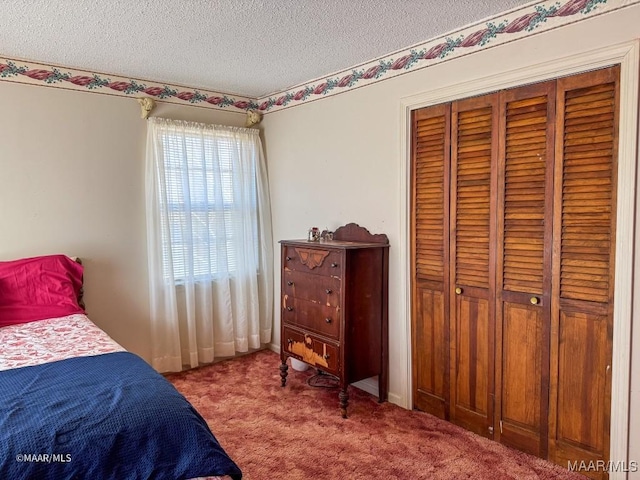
[(430, 233), (472, 267), (583, 267), (525, 212)]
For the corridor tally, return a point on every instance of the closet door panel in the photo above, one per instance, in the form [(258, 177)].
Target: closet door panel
[(430, 392), (522, 336), (584, 253), (580, 352), (473, 186), (472, 360), (430, 252), (525, 212)]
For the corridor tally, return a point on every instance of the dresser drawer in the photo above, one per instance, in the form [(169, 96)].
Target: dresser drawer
[(314, 288), (312, 350), (315, 260), (321, 319)]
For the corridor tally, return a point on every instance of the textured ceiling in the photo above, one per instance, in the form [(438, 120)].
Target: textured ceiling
[(247, 47)]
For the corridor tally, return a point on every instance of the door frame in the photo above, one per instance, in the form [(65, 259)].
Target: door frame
[(628, 56)]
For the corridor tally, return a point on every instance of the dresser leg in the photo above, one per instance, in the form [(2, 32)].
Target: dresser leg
[(283, 372), (343, 396)]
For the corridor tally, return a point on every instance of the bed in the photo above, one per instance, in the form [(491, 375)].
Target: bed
[(74, 404)]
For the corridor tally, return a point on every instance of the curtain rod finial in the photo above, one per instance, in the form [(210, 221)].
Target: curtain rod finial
[(253, 118), (146, 105)]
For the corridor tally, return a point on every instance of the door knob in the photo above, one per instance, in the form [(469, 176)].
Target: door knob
[(458, 290)]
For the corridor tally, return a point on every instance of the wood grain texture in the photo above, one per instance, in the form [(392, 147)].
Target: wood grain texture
[(430, 258), (583, 268), (525, 214), (472, 235), (472, 193), (334, 307), (431, 390), (430, 160), (352, 232), (526, 312)]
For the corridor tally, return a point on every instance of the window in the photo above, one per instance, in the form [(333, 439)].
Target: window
[(209, 234), (210, 199)]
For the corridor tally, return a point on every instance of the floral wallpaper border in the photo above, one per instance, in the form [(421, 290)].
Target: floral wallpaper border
[(60, 77), (526, 21), (520, 23)]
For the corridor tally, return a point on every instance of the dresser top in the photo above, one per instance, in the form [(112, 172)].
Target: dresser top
[(350, 235), (337, 244)]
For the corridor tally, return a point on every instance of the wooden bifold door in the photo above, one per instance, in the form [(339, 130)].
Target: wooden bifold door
[(513, 234)]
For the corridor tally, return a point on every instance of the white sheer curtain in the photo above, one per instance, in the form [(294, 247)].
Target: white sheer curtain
[(209, 242)]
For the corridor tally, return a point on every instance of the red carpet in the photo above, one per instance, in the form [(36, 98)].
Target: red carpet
[(297, 433)]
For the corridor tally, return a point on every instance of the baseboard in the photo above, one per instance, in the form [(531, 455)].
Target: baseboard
[(274, 348), (397, 400)]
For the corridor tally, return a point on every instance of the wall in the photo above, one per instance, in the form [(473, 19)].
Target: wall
[(72, 181), (338, 160)]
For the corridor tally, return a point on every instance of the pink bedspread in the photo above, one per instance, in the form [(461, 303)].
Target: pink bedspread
[(53, 339)]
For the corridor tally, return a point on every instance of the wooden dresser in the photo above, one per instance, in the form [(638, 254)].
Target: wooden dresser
[(334, 313)]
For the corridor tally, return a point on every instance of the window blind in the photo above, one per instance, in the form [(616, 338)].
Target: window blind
[(207, 194)]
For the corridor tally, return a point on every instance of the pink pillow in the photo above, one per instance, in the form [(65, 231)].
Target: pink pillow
[(38, 288)]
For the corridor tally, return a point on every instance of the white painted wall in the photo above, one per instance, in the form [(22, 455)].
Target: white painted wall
[(338, 160), (72, 181)]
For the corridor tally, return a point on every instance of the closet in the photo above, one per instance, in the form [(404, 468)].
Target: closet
[(513, 236)]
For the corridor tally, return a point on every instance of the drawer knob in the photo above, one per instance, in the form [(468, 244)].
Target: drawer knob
[(458, 290), (326, 356), (334, 265), (329, 291), (287, 258), (289, 283), (534, 300), (290, 308), (328, 320)]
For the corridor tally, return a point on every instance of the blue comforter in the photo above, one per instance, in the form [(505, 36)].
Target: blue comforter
[(104, 417)]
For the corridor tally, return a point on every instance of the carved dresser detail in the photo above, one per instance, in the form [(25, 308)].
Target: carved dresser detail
[(334, 311)]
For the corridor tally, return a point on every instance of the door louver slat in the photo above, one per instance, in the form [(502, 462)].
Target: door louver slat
[(429, 197), (587, 183), (472, 197), (524, 200)]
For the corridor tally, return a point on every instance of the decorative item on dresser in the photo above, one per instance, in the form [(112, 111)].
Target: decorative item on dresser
[(335, 307)]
